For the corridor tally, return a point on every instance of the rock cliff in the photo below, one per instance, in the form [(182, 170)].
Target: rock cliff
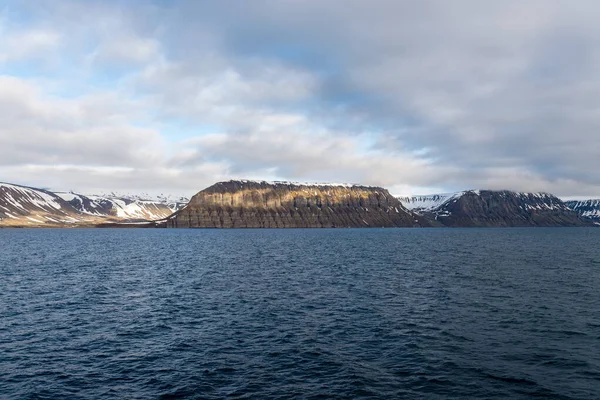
[(253, 204), (487, 208)]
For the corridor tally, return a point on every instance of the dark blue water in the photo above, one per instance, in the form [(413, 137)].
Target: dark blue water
[(270, 314)]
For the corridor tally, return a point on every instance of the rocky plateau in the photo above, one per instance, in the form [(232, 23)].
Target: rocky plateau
[(260, 204)]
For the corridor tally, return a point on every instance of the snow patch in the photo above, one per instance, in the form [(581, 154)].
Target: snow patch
[(292, 183)]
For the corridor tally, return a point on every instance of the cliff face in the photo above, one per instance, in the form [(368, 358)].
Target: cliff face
[(250, 204), (488, 208), (586, 208)]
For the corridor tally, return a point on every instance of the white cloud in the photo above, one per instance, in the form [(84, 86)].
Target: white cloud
[(212, 90), (24, 45), (90, 130), (125, 49)]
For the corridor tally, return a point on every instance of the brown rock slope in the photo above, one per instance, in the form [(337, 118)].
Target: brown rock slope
[(251, 204)]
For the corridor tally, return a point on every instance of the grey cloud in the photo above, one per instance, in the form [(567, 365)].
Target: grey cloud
[(486, 87), (461, 94)]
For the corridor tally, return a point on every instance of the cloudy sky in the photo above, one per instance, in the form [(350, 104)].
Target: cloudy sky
[(417, 96)]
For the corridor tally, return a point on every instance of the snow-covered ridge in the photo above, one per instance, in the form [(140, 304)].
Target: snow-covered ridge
[(586, 208), (15, 195), (436, 202), (428, 202), (21, 205), (125, 206), (26, 206), (145, 197)]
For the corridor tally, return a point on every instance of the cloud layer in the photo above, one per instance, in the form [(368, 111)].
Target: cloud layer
[(417, 96)]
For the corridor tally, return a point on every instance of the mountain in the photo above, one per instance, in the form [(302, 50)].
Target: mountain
[(586, 208), (487, 208), (175, 203), (27, 206), (125, 207), (261, 204), (420, 204)]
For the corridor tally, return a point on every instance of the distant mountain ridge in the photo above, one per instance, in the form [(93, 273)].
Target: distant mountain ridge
[(488, 208), (129, 207), (27, 206), (586, 208), (262, 204), (427, 202)]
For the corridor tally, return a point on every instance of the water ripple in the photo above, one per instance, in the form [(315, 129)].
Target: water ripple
[(309, 314)]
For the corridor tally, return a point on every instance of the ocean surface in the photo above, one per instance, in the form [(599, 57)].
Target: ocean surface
[(308, 314)]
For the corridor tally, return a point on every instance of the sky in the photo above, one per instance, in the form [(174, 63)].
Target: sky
[(419, 97)]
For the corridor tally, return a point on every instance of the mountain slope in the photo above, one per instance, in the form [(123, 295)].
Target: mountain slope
[(121, 207), (253, 204), (428, 202), (25, 206), (488, 208), (30, 207), (586, 208)]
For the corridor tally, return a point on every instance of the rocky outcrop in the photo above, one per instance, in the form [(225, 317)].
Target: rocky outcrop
[(586, 208), (487, 208), (253, 204)]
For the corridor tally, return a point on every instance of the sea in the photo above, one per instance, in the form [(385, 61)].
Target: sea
[(300, 313)]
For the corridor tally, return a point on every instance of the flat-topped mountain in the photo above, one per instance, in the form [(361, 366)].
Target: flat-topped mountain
[(586, 208), (485, 208), (261, 204)]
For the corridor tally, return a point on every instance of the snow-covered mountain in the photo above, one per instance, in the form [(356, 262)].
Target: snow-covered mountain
[(494, 208), (586, 208), (175, 203), (128, 207), (26, 206), (427, 202)]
